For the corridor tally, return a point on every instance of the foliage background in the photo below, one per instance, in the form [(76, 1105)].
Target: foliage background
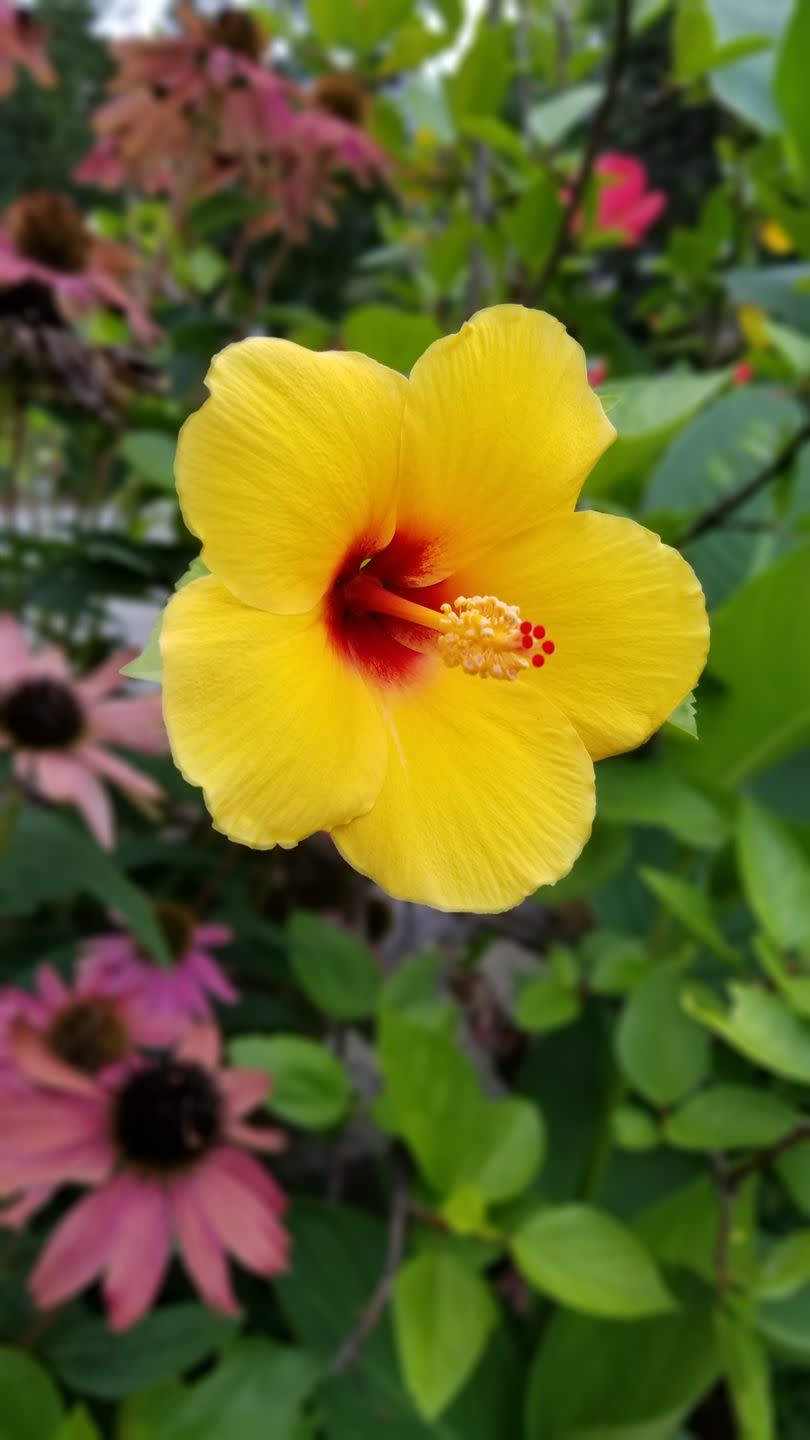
[(551, 1171)]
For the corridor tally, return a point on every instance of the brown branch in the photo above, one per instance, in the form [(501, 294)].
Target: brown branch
[(729, 1180), (716, 514), (373, 1312), (594, 143), (773, 1152)]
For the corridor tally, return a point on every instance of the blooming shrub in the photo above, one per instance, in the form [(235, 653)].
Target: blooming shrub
[(404, 720)]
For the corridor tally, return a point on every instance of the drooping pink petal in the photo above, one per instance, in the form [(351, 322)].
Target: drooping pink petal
[(16, 1214), (15, 657), (254, 1175), (40, 1121), (120, 772), (243, 1222), (62, 778), (86, 1164), (39, 1063), (244, 1089), (140, 1255), (200, 1045), (52, 661), (203, 1256), (51, 988), (213, 934), (106, 677), (80, 1246), (136, 724), (209, 976)]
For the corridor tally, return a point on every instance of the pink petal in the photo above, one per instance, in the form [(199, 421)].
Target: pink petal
[(202, 1253), (254, 1175), (209, 975), (51, 988), (39, 1063), (243, 1222), (39, 1121), (16, 1215), (121, 773), (213, 934), (80, 1246), (15, 657), (140, 1255), (200, 1045), (255, 1137), (51, 661), (86, 1164), (65, 778), (137, 724), (244, 1089), (107, 676)]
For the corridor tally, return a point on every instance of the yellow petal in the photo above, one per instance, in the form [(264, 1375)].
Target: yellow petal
[(290, 464), (501, 429), (626, 615), (281, 734), (488, 794)]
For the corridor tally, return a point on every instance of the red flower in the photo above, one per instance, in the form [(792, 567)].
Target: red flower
[(625, 205)]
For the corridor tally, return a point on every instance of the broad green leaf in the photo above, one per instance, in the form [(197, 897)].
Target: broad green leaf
[(681, 1230), (443, 1316), (148, 665), (75, 865), (691, 907), (546, 1003), (692, 38), (617, 962), (747, 86), (78, 1425), (309, 1086), (785, 1268), (785, 1324), (479, 83), (683, 717), (633, 1129), (394, 337), (790, 81), (598, 1380), (650, 792), (586, 1259), (151, 454), (747, 1375), (356, 25), (662, 1052), (29, 1401), (433, 1100), (332, 967), (648, 411), (89, 1358), (413, 984), (763, 714), (758, 1024), (552, 119), (730, 1117), (776, 874), (793, 1169), (532, 223)]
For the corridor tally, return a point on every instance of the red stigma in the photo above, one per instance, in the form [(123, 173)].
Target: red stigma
[(526, 627), (538, 660), (539, 631), (527, 642), (548, 646)]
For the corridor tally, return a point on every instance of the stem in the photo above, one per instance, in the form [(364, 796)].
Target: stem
[(593, 144), (373, 1312), (716, 514)]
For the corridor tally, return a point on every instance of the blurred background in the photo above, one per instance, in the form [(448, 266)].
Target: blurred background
[(538, 1176)]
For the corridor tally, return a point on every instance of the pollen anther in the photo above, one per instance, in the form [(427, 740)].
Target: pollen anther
[(485, 637)]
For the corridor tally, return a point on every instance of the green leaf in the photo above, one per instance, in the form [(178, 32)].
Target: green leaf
[(433, 1099), (255, 1393), (479, 83), (394, 337), (75, 864), (586, 1259), (443, 1316), (78, 1425), (683, 717), (546, 1003), (786, 1267), (552, 119), (692, 39), (776, 874), (310, 1087), (596, 1380), (633, 1129), (90, 1359), (790, 81), (747, 1376), (650, 792), (148, 665), (785, 1324), (29, 1402), (758, 1024), (662, 1052), (747, 86), (691, 907), (532, 223), (648, 412), (354, 24), (332, 967), (730, 1117), (151, 453)]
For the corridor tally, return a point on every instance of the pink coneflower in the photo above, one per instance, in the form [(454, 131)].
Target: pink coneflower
[(597, 371), (59, 729), (168, 999), (625, 205), (22, 43), (164, 1143), (44, 239)]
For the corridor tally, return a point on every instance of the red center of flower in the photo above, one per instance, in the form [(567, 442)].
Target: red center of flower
[(89, 1034), (42, 714), (389, 629)]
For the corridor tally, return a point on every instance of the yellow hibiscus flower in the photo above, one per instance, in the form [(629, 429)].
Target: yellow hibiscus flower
[(385, 556)]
